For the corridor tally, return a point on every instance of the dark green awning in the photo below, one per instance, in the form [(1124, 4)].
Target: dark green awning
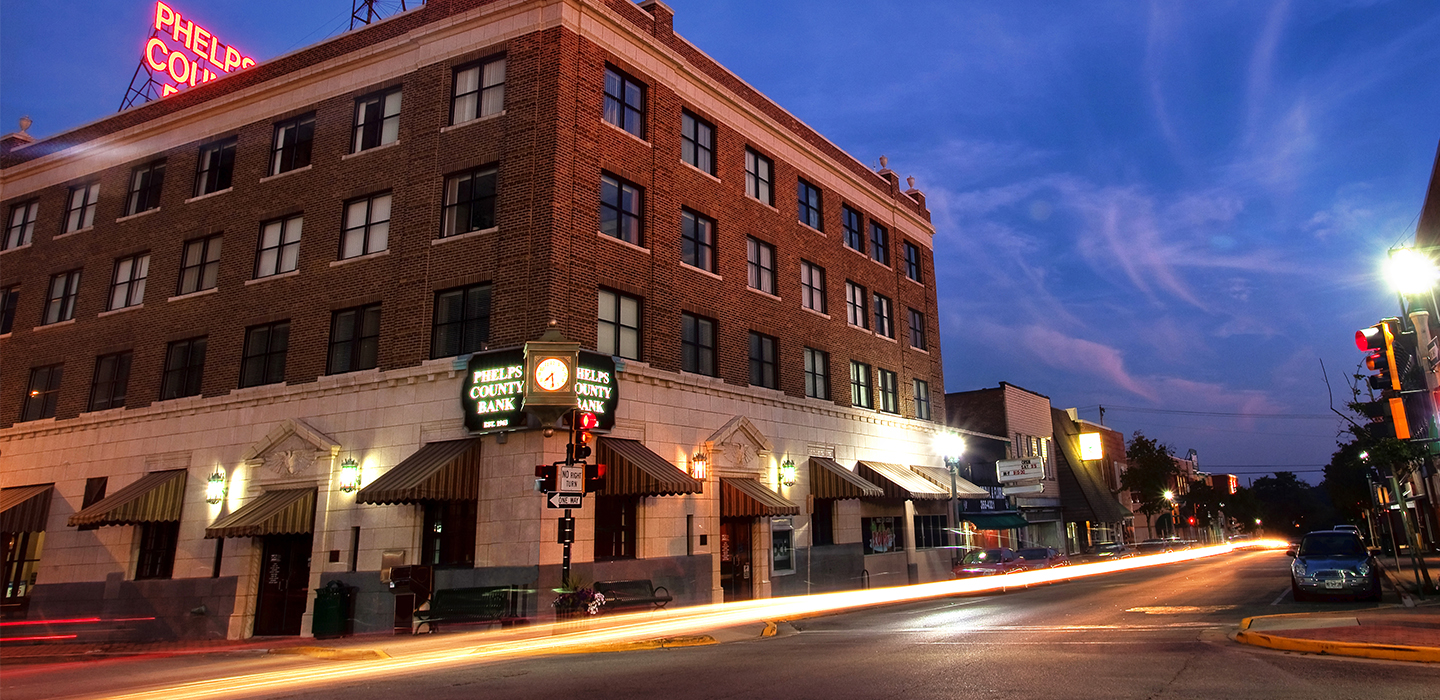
[(995, 521)]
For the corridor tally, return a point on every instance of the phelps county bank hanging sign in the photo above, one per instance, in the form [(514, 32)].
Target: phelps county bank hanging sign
[(495, 388), (187, 53)]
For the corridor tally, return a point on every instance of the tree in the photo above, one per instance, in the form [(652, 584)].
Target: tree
[(1291, 506), (1204, 501), (1150, 473), (1346, 481)]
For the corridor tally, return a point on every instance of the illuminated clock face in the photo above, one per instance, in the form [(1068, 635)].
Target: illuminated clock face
[(551, 374)]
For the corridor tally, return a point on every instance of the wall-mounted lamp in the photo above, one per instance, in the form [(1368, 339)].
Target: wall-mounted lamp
[(215, 487), (1091, 447), (698, 465), (349, 475), (787, 472)]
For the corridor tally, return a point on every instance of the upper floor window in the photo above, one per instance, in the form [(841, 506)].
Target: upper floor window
[(697, 241), (279, 246), (760, 259), (817, 374), (21, 228), (809, 196), (857, 305), (367, 226), (469, 202), (462, 321), (292, 145), (759, 177), (922, 399), (617, 328), (42, 393), (263, 361), (156, 555), (216, 168), (889, 392), (354, 340), (917, 330), (146, 182), (60, 303), (697, 344), (80, 210), (200, 266), (624, 102), (879, 244), (852, 222), (127, 286), (762, 361), (112, 377), (697, 142), (479, 90), (860, 386), (812, 286), (884, 316), (620, 206), (912, 262), (184, 368), (377, 120), (9, 299)]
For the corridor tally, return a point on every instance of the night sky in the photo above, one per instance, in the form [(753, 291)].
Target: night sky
[(1175, 210)]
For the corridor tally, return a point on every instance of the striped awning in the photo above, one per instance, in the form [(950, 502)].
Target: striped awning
[(830, 480), (25, 508), (153, 498), (632, 469), (940, 476), (439, 471), (748, 498), (900, 482), (283, 512)]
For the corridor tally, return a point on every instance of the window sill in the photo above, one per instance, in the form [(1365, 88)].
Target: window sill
[(208, 195), (476, 120), (887, 338), (625, 243), (4, 336), (147, 212), (771, 207), (762, 293), (702, 377), (277, 176), (921, 350), (860, 253), (707, 273), (812, 228), (18, 247), (372, 149), (68, 234), (468, 234), (862, 329), (821, 314), (698, 170), (368, 256), (192, 295), (633, 136), (912, 280), (57, 324), (267, 278), (120, 310)]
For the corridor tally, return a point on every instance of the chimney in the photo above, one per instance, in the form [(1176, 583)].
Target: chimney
[(18, 139), (664, 18)]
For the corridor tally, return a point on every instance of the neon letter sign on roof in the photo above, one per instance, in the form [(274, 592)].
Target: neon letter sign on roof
[(170, 58)]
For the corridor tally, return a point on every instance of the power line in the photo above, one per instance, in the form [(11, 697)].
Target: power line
[(1218, 414)]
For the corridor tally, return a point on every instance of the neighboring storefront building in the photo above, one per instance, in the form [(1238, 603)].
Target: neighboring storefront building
[(1089, 460)]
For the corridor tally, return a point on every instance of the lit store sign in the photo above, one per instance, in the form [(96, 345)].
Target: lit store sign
[(596, 387), (188, 53), (493, 395)]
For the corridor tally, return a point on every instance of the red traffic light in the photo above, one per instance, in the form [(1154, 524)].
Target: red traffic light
[(1372, 338), (1192, 521), (588, 421)]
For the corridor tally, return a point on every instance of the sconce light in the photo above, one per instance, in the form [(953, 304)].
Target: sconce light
[(698, 463), (787, 473), (349, 475), (215, 487)]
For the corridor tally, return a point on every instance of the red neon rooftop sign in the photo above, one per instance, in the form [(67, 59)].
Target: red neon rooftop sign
[(187, 53)]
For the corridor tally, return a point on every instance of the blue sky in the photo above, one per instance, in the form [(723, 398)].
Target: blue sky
[(1172, 206)]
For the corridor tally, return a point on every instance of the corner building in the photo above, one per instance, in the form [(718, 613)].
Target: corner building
[(234, 293)]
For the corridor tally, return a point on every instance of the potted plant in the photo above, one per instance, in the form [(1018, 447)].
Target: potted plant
[(577, 599)]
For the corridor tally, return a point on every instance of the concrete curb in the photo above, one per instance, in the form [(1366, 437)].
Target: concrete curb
[(1391, 652), (332, 654), (662, 643)]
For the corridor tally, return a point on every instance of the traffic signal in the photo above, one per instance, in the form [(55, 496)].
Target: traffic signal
[(547, 478), (581, 440), (1191, 520), (1387, 414), (594, 477)]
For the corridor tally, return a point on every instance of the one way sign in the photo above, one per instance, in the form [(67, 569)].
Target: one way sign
[(564, 500)]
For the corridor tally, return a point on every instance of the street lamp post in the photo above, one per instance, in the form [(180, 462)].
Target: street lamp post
[(951, 447)]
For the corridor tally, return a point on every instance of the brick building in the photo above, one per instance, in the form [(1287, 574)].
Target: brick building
[(255, 283)]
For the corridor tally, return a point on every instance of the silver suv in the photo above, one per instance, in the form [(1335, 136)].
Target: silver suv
[(1333, 562)]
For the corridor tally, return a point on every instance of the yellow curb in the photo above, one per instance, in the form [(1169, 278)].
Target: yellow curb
[(333, 654), (770, 629), (1392, 652), (662, 643)]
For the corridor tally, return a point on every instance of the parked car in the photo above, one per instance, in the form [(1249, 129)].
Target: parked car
[(1042, 557), (1109, 550), (1333, 562), (1350, 528), (1156, 546), (988, 562)]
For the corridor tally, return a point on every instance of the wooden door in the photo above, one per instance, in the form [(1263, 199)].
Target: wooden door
[(284, 585), (736, 573)]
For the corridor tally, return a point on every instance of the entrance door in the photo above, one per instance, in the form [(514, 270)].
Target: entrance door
[(735, 570), (284, 585)]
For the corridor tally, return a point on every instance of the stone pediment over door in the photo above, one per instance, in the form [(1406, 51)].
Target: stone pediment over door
[(294, 452), (738, 448)]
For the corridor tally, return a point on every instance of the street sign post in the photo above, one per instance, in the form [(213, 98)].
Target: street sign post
[(564, 500), (571, 478)]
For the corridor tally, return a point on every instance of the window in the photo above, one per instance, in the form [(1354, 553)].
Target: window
[(200, 266), (146, 182), (462, 321), (761, 263), (759, 177), (697, 241), (618, 325), (782, 549), (293, 140), (127, 286), (929, 531), (624, 102), (697, 142), (60, 304), (860, 396), (354, 340), (9, 299), (449, 537), (184, 368), (216, 167), (94, 493), (812, 286), (157, 550), (809, 204), (615, 527), (377, 120), (469, 202), (620, 209), (852, 222), (112, 376), (265, 350), (817, 374), (479, 90), (912, 262), (367, 226), (882, 535), (922, 399), (879, 244), (41, 395), (917, 330), (884, 316), (21, 229), (80, 212), (697, 344), (889, 392), (822, 522), (857, 307), (279, 246), (762, 361)]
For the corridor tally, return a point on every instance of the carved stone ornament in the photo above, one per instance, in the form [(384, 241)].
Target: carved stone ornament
[(741, 454), (289, 462)]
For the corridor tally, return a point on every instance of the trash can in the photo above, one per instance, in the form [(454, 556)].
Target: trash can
[(332, 611)]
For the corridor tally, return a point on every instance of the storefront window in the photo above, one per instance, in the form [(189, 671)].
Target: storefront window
[(782, 550), (22, 556), (449, 538), (615, 527), (882, 535)]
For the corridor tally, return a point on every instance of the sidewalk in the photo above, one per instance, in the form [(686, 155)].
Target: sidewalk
[(1397, 633), (1404, 577)]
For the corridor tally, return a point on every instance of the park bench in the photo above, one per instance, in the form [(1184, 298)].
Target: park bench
[(632, 594), (503, 604)]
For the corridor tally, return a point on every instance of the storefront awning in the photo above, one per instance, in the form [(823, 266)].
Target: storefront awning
[(285, 512), (900, 482), (153, 498), (941, 477), (994, 521), (748, 498), (439, 471), (632, 469), (25, 508), (830, 480)]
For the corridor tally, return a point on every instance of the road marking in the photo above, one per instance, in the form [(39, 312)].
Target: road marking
[(1281, 597), (1181, 609)]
